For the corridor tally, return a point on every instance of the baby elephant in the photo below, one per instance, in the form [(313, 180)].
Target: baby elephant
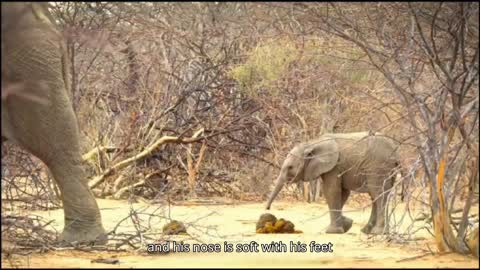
[(345, 161)]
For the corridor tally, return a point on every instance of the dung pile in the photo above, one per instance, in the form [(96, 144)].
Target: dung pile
[(174, 227), (268, 223)]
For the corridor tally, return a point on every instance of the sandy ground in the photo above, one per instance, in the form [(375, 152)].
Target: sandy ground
[(235, 224)]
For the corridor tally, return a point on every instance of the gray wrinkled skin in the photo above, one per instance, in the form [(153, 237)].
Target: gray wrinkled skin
[(34, 57)]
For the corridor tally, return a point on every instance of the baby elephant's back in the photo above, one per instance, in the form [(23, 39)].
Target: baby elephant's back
[(383, 148), (382, 155), (365, 152)]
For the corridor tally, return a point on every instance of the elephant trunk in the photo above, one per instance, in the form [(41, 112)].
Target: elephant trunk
[(279, 184)]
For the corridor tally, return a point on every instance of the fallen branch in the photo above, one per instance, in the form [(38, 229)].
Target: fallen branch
[(89, 155), (120, 192), (117, 182), (122, 164)]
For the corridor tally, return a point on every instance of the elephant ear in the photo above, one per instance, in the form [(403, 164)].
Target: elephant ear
[(320, 157)]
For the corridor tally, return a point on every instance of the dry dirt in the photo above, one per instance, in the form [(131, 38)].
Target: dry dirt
[(235, 224)]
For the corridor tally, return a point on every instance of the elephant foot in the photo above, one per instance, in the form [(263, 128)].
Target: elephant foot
[(379, 230), (347, 223), (367, 229), (92, 235), (335, 229)]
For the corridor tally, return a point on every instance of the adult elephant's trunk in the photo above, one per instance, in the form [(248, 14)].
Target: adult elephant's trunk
[(280, 182)]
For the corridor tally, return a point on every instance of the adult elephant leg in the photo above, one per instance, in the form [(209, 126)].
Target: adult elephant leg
[(333, 196), (51, 135), (347, 222), (49, 129)]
